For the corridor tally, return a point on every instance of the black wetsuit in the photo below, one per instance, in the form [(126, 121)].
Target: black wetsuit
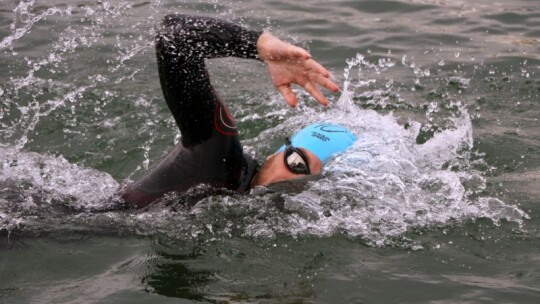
[(209, 151)]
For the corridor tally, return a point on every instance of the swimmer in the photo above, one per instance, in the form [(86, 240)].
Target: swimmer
[(209, 151)]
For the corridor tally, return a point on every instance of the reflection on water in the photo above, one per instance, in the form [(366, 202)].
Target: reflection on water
[(170, 276), (190, 271)]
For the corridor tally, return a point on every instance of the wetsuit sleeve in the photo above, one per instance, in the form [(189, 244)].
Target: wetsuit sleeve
[(209, 152), (182, 45)]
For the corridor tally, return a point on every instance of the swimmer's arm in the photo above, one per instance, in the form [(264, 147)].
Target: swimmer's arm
[(204, 37), (288, 64), (182, 44), (211, 38)]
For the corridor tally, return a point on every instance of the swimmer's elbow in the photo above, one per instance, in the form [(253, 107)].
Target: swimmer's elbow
[(175, 31), (175, 25)]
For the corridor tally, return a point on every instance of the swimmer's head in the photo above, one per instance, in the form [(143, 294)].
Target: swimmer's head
[(312, 147), (323, 140)]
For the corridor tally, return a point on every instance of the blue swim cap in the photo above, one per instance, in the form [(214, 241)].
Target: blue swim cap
[(323, 140)]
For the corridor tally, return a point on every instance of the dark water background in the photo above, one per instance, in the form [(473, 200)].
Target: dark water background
[(438, 202)]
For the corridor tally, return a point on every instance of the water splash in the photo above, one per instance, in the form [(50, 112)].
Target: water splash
[(47, 82), (386, 185), (56, 176), (37, 186), (383, 187), (23, 20)]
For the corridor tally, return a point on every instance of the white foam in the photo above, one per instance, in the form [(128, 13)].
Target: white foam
[(55, 178), (386, 184)]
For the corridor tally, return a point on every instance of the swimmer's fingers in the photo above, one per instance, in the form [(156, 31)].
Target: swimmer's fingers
[(289, 64), (316, 67), (325, 82), (288, 95), (320, 75), (310, 82), (312, 89)]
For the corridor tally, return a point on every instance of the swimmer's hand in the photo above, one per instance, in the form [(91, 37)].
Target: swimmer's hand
[(289, 64)]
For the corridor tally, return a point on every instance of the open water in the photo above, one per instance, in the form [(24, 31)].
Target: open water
[(437, 202)]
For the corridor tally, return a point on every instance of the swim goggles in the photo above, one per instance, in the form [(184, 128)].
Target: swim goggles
[(295, 160)]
